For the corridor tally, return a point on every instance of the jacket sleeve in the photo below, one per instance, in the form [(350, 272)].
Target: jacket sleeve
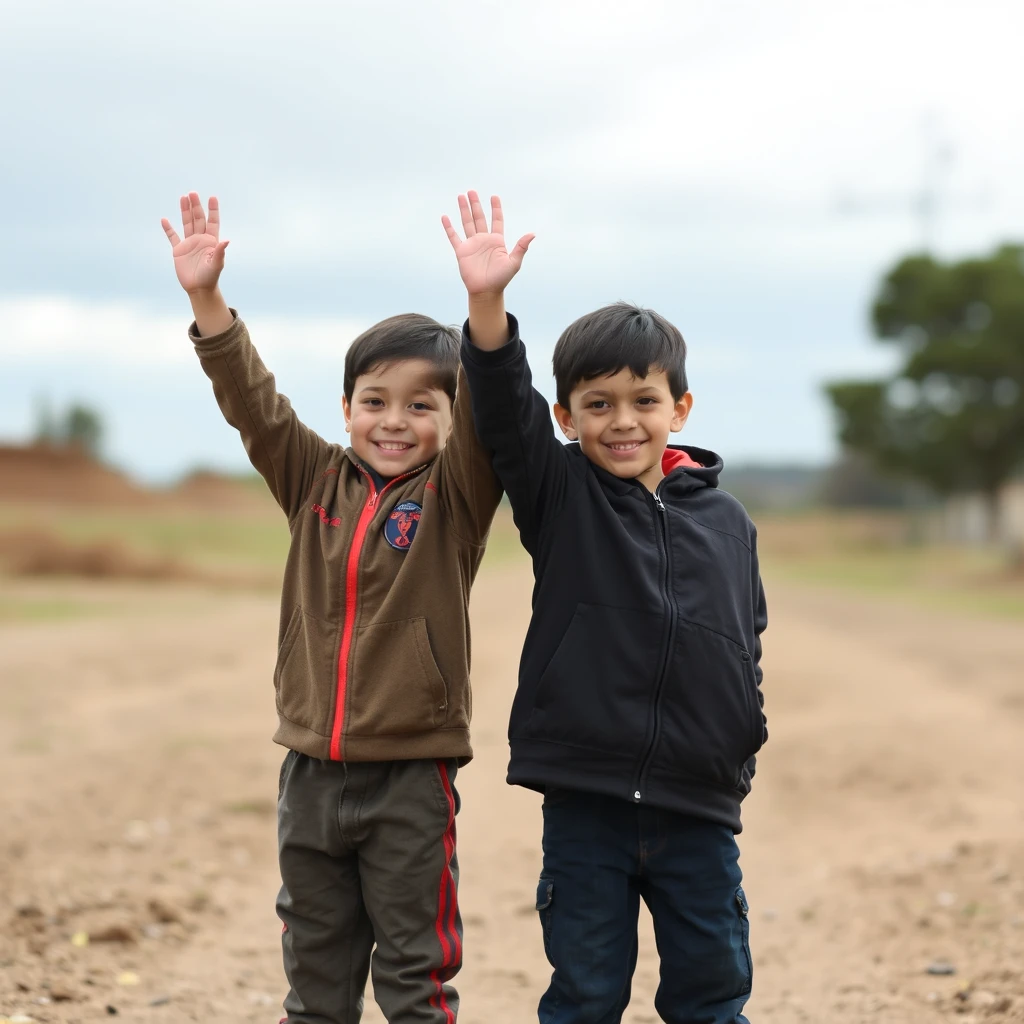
[(514, 426), (471, 489), (285, 452), (760, 625)]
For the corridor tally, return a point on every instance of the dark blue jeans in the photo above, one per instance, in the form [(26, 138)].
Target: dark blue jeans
[(602, 856)]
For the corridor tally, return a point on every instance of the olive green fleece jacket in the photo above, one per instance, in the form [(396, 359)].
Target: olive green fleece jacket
[(374, 646)]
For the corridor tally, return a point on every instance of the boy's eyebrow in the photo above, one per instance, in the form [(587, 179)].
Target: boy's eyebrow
[(602, 391), (419, 389)]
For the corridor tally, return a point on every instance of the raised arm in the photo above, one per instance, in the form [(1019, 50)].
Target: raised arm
[(471, 487), (511, 416), (285, 452)]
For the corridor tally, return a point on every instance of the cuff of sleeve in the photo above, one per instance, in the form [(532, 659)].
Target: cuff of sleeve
[(217, 344), (495, 357)]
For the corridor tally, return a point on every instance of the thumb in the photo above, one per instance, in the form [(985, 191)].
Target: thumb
[(517, 254), (218, 254)]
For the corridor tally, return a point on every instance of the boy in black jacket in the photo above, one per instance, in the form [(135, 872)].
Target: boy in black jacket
[(639, 708)]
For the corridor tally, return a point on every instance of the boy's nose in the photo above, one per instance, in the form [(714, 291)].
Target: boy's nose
[(394, 419)]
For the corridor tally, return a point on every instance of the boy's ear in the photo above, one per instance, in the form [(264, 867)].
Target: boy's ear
[(681, 412), (347, 410), (564, 419)]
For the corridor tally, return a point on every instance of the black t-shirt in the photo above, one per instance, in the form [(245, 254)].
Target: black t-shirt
[(380, 482)]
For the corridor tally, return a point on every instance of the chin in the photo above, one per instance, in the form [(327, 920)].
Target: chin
[(394, 467)]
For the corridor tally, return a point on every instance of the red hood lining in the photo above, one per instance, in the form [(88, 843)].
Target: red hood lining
[(674, 458)]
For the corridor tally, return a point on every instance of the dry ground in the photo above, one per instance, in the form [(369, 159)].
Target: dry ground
[(885, 832)]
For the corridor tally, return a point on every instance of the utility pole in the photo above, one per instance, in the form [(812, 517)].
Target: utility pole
[(925, 204)]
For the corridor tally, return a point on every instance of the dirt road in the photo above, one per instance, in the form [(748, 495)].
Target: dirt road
[(885, 834)]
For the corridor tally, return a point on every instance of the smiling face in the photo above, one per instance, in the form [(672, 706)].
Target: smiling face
[(399, 417), (622, 422)]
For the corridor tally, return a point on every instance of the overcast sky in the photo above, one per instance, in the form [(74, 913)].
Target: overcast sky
[(687, 156)]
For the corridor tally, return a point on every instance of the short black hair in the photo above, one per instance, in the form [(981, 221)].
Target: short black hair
[(407, 336), (617, 337)]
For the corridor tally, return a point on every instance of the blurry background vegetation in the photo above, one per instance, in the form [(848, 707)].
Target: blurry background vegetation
[(925, 501)]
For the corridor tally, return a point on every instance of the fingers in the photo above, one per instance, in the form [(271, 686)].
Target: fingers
[(198, 216), (213, 221), (186, 216), (172, 235), (468, 227), (497, 219), (479, 220), (453, 235), (517, 254)]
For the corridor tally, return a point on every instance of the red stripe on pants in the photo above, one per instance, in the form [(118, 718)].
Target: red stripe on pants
[(447, 907)]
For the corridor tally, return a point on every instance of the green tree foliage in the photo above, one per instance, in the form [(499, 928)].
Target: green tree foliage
[(952, 416), (78, 427), (83, 428)]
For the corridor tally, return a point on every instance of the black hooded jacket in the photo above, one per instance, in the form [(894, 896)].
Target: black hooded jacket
[(640, 674)]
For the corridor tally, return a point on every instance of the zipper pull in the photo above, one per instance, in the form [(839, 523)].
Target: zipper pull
[(659, 502)]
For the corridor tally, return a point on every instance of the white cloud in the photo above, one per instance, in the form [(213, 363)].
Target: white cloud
[(50, 327), (683, 154)]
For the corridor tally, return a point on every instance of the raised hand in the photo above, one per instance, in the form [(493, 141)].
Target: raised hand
[(199, 256), (485, 264)]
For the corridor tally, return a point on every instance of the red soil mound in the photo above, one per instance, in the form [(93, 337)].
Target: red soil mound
[(41, 473), (68, 477)]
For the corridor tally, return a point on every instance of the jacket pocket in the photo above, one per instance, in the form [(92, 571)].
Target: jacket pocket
[(284, 648), (711, 721), (305, 677), (395, 686), (596, 690)]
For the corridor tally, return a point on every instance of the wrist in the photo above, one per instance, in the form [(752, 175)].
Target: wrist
[(488, 322), (487, 301), (211, 312)]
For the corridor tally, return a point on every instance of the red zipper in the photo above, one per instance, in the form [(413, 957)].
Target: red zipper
[(351, 584)]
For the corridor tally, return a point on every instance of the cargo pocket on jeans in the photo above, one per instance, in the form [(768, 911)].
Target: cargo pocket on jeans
[(545, 895), (744, 958)]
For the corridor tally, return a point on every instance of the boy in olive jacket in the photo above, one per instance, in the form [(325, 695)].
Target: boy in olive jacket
[(372, 676)]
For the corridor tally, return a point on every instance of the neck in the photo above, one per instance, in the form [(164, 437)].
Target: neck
[(652, 477)]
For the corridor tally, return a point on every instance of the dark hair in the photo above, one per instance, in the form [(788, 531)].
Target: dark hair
[(407, 336), (617, 337)]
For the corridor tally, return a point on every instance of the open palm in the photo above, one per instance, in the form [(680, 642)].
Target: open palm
[(199, 256), (485, 264)]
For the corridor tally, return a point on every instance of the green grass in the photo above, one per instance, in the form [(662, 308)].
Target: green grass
[(48, 609), (865, 575), (205, 539), (885, 557)]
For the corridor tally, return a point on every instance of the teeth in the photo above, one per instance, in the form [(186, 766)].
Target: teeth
[(628, 447), (392, 446)]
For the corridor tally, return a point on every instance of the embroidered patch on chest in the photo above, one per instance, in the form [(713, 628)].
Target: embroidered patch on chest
[(400, 526)]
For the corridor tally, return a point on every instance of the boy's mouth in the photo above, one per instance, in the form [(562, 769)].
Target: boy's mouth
[(392, 447), (624, 447)]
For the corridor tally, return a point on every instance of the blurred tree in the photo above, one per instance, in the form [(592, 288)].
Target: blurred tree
[(952, 416), (46, 424), (79, 427), (83, 429)]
